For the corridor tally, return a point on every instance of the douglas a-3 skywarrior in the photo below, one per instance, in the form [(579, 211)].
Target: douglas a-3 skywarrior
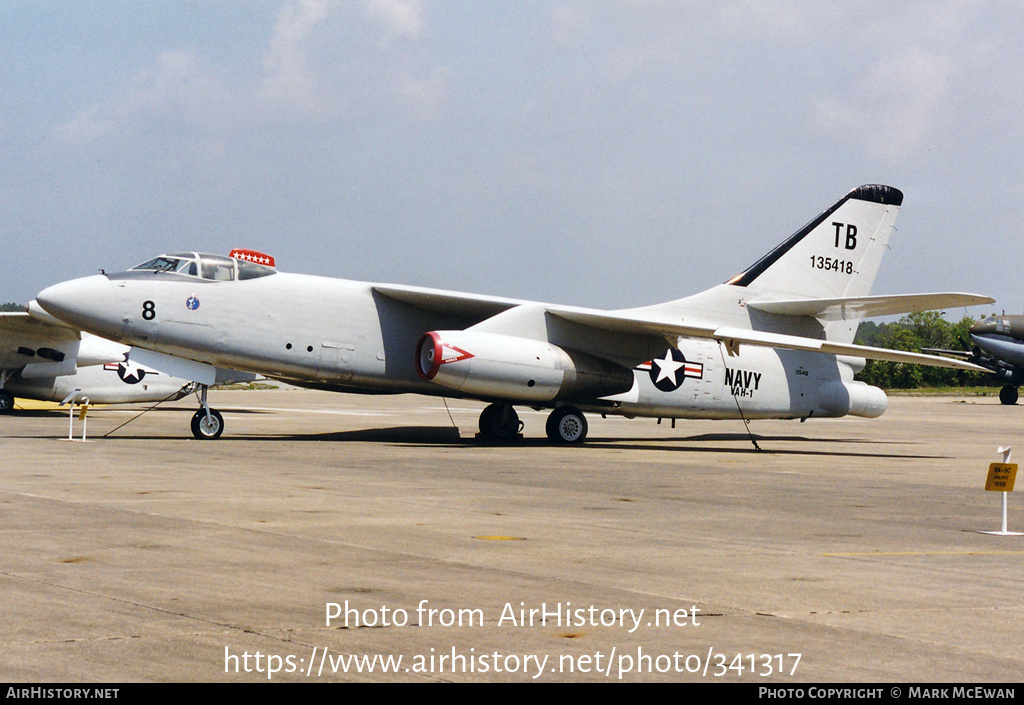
[(775, 341)]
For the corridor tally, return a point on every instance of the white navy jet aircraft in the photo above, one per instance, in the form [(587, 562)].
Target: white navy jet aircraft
[(775, 341)]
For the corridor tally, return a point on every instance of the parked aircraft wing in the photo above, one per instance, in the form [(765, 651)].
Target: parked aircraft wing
[(449, 302), (965, 354), (36, 347), (868, 306), (734, 336), (20, 324)]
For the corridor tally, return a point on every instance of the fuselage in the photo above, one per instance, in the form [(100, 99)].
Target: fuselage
[(1001, 337)]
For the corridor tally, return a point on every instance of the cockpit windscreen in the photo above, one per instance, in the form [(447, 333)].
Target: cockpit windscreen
[(163, 263), (209, 267)]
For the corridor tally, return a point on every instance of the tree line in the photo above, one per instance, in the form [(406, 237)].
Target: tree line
[(914, 332)]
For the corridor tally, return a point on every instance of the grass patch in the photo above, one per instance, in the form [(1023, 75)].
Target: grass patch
[(945, 392)]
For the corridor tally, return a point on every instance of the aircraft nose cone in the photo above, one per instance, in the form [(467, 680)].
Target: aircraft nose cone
[(983, 327), (87, 303)]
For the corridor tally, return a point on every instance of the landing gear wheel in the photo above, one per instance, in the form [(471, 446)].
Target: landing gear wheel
[(499, 422), (6, 402), (1008, 395), (567, 425), (207, 427)]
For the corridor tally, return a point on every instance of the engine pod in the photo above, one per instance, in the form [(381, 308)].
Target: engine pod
[(855, 398), (497, 366)]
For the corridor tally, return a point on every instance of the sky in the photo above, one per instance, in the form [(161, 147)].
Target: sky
[(605, 153)]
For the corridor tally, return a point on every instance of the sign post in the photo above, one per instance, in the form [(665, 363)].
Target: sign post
[(82, 414), (1001, 477)]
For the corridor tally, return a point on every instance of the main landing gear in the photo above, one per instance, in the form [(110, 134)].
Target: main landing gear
[(1008, 395), (566, 424), (499, 422), (207, 423)]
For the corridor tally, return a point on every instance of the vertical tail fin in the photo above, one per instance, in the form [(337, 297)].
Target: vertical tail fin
[(835, 255)]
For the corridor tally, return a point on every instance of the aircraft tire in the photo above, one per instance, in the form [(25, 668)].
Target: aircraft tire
[(1008, 395), (567, 425), (497, 425), (207, 429), (6, 402)]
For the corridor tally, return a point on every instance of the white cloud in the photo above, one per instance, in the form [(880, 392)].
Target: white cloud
[(398, 18), (909, 97), (782, 20), (425, 97), (177, 88), (311, 70), (288, 78)]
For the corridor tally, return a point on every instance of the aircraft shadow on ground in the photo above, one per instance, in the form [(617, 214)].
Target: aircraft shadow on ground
[(38, 413), (405, 435), (450, 437), (446, 436)]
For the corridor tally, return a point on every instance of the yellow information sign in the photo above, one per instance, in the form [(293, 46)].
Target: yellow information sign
[(1001, 477)]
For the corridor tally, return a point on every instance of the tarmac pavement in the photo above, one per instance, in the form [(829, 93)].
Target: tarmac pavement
[(331, 537)]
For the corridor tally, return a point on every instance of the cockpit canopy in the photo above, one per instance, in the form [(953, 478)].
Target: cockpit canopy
[(204, 266)]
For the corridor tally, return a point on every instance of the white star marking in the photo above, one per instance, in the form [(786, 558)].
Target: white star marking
[(668, 368)]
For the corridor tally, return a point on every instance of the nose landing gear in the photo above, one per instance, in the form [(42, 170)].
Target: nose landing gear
[(207, 423)]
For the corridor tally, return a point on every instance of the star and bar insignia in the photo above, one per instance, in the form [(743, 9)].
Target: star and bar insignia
[(668, 373)]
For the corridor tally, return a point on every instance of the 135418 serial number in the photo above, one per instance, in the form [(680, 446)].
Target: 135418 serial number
[(831, 264)]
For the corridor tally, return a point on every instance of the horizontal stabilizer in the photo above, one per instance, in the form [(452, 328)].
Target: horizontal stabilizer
[(868, 306)]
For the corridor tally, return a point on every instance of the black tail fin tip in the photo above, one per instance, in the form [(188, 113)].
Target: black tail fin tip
[(876, 193)]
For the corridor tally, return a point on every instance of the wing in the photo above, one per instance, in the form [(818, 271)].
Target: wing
[(483, 308), (964, 354), (448, 302), (868, 306), (33, 345)]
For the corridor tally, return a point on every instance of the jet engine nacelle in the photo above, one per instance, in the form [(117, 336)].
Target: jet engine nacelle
[(854, 398), (496, 366)]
